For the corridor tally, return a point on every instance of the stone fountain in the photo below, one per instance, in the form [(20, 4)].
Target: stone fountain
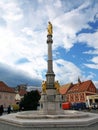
[(50, 116)]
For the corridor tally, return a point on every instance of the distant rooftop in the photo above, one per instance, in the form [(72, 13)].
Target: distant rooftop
[(5, 88)]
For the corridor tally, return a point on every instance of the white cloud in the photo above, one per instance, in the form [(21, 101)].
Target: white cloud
[(92, 41), (66, 71), (91, 52), (58, 4), (28, 31), (70, 23), (95, 60), (36, 67), (90, 38), (96, 16), (11, 10), (90, 76), (94, 64), (96, 84)]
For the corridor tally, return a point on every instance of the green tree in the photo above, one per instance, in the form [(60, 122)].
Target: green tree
[(30, 100)]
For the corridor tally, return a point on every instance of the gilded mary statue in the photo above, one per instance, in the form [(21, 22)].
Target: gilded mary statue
[(50, 28)]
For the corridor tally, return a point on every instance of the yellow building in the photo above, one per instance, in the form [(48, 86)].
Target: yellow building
[(92, 99)]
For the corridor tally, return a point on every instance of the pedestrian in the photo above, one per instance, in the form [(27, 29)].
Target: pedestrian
[(1, 110), (9, 109)]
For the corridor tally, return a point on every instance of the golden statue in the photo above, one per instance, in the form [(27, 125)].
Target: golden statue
[(49, 29), (44, 86), (57, 85)]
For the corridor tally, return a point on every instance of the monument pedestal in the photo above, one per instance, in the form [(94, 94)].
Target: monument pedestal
[(51, 102)]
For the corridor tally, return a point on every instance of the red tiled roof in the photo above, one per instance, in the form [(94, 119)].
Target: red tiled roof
[(5, 88), (22, 92), (80, 87), (64, 88)]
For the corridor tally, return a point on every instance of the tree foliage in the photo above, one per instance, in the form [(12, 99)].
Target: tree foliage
[(30, 100)]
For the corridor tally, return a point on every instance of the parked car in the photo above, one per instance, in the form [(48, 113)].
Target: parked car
[(78, 106), (66, 105)]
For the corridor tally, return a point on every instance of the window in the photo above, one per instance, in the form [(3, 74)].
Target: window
[(71, 97), (76, 97), (82, 96)]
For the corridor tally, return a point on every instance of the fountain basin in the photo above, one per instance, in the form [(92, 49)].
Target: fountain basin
[(39, 115), (28, 120)]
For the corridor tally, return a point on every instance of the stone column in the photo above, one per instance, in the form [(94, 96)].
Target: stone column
[(50, 76)]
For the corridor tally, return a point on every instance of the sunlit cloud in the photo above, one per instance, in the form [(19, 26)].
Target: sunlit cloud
[(66, 71), (94, 63)]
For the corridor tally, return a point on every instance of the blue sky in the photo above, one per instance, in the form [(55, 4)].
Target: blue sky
[(23, 35)]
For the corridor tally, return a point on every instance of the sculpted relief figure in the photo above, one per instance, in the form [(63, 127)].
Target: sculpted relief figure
[(57, 85), (44, 86), (50, 28)]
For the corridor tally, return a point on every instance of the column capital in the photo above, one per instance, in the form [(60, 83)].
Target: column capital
[(49, 39)]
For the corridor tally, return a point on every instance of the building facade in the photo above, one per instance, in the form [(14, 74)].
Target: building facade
[(78, 92), (7, 95)]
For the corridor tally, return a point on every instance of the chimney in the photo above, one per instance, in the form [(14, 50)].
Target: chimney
[(79, 81)]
